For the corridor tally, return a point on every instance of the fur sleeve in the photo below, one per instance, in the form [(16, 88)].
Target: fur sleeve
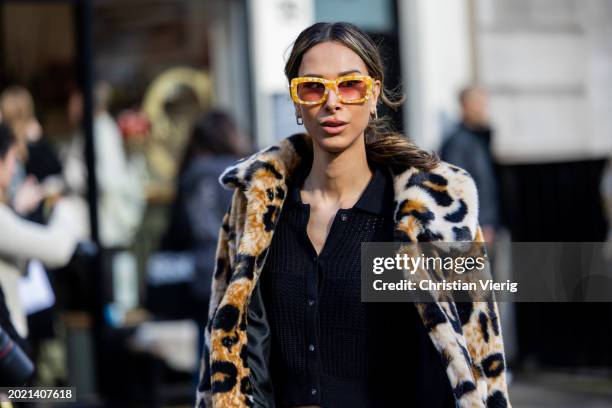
[(481, 323), (223, 267), (482, 331)]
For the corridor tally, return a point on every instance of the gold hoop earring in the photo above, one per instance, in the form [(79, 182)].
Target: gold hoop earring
[(299, 120)]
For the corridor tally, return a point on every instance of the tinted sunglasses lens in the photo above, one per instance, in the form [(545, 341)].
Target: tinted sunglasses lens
[(311, 91), (353, 89)]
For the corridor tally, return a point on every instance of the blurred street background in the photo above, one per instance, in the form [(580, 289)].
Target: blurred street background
[(126, 111)]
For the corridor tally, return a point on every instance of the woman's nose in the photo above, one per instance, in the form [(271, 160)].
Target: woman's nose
[(332, 100)]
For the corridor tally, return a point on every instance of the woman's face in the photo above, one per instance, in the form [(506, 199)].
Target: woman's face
[(331, 60), (7, 168)]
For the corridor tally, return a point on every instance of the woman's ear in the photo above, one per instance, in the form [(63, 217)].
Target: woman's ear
[(376, 89)]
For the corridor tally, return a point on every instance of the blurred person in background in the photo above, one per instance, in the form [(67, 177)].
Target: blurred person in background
[(196, 214), (8, 332), (121, 194), (22, 240), (468, 145), (37, 185), (38, 169)]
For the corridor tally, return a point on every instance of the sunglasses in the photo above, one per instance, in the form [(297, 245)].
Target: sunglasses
[(314, 90)]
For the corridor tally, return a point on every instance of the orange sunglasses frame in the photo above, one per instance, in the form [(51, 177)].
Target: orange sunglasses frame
[(331, 84)]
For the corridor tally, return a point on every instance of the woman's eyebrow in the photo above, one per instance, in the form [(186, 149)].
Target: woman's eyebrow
[(343, 73), (350, 71)]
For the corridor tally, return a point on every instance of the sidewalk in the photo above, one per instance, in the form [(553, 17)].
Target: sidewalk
[(561, 390)]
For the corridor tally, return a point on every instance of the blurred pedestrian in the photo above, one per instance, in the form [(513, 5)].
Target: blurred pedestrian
[(38, 169), (121, 198), (22, 240), (468, 145), (195, 218)]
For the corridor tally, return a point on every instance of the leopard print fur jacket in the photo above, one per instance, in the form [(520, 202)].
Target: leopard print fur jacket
[(436, 205)]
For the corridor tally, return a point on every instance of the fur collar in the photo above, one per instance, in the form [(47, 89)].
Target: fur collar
[(438, 205)]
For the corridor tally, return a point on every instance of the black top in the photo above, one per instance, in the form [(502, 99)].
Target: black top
[(329, 348), (195, 218)]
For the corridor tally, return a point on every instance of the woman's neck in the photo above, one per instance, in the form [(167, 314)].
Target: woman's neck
[(338, 178)]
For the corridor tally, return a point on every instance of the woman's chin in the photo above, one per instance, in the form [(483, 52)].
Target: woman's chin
[(334, 143)]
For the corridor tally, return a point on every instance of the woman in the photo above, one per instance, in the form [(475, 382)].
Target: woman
[(303, 338), (53, 244), (196, 214)]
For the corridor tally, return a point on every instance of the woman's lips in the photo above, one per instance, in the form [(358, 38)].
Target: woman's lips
[(333, 128)]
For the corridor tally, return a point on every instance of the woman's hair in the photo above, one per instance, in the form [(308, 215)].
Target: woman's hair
[(213, 133), (383, 143), (17, 107), (7, 140)]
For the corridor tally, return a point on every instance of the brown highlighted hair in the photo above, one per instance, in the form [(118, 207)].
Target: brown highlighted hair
[(383, 144), (214, 133)]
